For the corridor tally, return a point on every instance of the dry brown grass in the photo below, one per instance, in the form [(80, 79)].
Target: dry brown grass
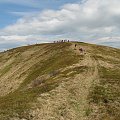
[(56, 82)]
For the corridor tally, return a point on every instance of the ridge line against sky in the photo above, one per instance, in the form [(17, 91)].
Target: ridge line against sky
[(32, 21)]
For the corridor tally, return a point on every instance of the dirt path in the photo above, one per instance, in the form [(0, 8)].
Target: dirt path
[(69, 100), (85, 80)]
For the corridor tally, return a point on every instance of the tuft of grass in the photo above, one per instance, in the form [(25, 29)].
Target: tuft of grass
[(88, 111)]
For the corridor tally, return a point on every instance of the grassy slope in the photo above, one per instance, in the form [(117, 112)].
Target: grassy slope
[(19, 101), (105, 95), (39, 69)]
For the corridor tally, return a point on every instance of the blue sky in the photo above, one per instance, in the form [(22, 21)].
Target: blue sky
[(25, 22), (7, 7)]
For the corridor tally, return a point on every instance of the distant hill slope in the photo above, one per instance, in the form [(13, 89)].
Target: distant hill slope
[(56, 81)]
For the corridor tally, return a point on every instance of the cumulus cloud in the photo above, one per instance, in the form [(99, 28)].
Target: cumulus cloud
[(91, 19)]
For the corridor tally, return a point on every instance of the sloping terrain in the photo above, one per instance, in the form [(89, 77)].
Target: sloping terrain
[(58, 82)]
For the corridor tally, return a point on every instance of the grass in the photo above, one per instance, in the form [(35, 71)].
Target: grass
[(5, 69), (106, 94), (18, 103), (88, 111), (76, 70)]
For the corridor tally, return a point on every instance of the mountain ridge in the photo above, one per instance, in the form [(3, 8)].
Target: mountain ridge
[(57, 81)]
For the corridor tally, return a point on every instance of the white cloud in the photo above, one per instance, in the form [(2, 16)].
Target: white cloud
[(90, 20)]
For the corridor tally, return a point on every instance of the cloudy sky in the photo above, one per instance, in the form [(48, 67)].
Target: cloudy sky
[(36, 21)]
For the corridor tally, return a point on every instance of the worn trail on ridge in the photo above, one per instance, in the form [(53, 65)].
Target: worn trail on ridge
[(69, 100)]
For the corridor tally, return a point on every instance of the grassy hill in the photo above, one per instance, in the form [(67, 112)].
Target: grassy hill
[(56, 81)]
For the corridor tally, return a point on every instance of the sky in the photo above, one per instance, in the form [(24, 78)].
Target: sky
[(24, 22)]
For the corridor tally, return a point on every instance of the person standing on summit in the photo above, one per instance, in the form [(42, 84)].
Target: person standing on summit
[(75, 45)]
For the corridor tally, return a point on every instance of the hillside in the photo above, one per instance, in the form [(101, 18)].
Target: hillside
[(56, 81)]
